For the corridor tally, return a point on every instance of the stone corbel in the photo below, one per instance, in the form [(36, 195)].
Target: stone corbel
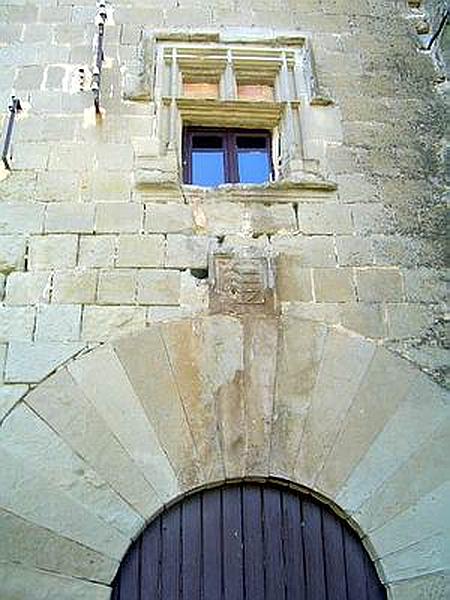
[(137, 75)]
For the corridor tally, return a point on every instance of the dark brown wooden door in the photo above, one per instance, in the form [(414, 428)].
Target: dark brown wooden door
[(247, 542)]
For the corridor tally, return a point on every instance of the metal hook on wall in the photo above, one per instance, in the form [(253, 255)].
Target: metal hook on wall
[(14, 108), (100, 20)]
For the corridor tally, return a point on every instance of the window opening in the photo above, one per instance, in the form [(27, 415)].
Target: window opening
[(213, 157)]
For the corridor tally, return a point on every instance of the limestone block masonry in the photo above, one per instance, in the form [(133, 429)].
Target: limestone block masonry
[(157, 337)]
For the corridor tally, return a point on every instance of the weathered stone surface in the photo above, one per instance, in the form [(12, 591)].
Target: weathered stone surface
[(31, 440), (168, 218), (22, 582), (12, 253), (58, 323), (375, 285), (184, 342), (333, 285), (36, 547), (386, 383), (88, 434), (141, 251), (30, 362), (118, 217), (366, 319), (433, 585), (97, 251), (294, 283), (115, 400), (261, 336), (315, 251), (117, 287), (158, 287), (144, 358), (294, 388), (103, 322), (53, 251), (425, 470), (77, 286), (412, 425), (188, 251), (28, 288), (9, 397), (409, 320), (69, 217), (16, 323), (324, 219), (21, 217), (417, 524), (344, 364), (29, 494)]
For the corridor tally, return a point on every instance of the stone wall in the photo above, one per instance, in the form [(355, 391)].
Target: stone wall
[(87, 254)]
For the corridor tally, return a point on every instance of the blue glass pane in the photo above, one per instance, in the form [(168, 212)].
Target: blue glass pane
[(253, 167), (208, 168)]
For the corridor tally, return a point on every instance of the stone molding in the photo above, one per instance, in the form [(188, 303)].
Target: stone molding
[(303, 119), (88, 460)]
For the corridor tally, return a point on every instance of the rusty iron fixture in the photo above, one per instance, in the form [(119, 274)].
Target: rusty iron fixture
[(100, 21), (14, 108)]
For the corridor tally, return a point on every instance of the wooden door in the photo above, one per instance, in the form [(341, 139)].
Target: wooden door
[(248, 542)]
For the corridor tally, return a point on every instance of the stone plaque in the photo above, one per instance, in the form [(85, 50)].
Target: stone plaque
[(241, 281)]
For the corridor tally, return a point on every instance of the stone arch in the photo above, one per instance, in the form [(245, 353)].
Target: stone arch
[(97, 449)]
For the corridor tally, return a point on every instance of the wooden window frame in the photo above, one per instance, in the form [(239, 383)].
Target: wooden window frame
[(230, 149)]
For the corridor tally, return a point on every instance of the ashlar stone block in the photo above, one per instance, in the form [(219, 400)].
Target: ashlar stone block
[(97, 251), (10, 395), (74, 287), (117, 287), (294, 283), (118, 217), (28, 288), (103, 322), (377, 285), (325, 218), (159, 287), (69, 217), (168, 218), (59, 323), (141, 251), (188, 251), (17, 581), (30, 362), (16, 323), (12, 253), (50, 552), (21, 217), (333, 285), (53, 251)]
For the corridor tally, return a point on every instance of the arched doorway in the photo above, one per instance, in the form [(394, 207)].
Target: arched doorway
[(248, 541)]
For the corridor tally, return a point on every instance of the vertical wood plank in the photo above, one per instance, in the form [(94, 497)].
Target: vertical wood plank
[(375, 588), (273, 546), (248, 542), (334, 556), (191, 525), (293, 548), (171, 554), (130, 575), (312, 534), (253, 543), (151, 561), (233, 563), (212, 545), (355, 568)]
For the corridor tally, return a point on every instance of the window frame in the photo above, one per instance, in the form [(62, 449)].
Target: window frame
[(230, 150)]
